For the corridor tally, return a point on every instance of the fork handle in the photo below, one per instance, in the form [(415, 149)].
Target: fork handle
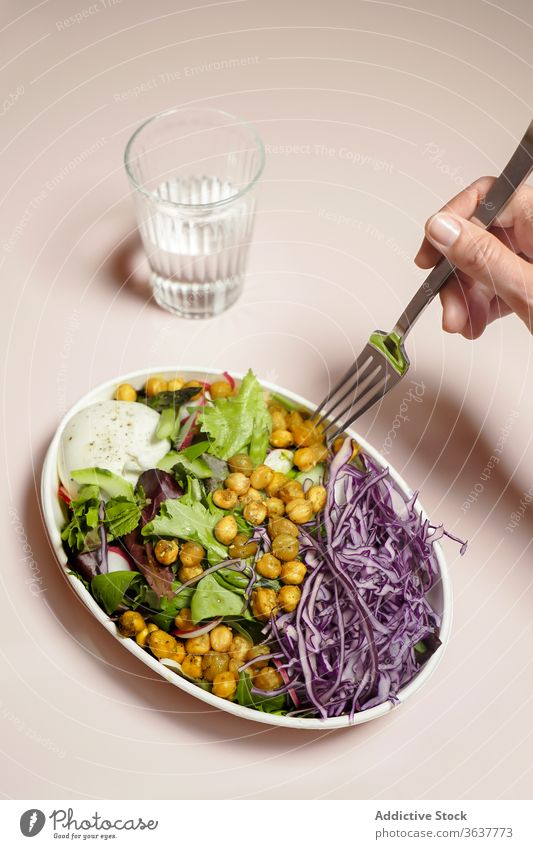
[(513, 175)]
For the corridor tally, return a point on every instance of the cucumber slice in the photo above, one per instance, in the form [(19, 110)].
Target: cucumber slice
[(111, 484), (315, 475), (199, 468), (167, 422)]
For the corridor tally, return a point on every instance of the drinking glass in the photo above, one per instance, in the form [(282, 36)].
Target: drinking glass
[(194, 173)]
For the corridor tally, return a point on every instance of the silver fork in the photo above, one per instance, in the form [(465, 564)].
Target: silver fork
[(383, 361)]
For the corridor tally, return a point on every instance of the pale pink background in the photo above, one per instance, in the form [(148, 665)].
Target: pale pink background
[(410, 103)]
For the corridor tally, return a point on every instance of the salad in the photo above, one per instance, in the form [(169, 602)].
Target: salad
[(217, 529)]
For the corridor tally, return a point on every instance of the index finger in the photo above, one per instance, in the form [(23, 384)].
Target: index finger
[(463, 204)]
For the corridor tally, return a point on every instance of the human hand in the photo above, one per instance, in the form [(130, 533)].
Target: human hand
[(495, 270)]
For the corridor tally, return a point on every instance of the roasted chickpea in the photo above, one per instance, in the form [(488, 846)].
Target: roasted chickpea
[(281, 525), (192, 666), (304, 459), (154, 385), (183, 620), (279, 420), (142, 636), (281, 438), (226, 499), (239, 646), (221, 638), (198, 645), (275, 407), (269, 566), (261, 477), (275, 507), (162, 644), (235, 664), (224, 685), (187, 573), (241, 463), (277, 481), (268, 679), (179, 654), (238, 483), (248, 549), (320, 452), (242, 538), (190, 384), (263, 602), (307, 433), (294, 419), (191, 554), (285, 547), (236, 547), (293, 572), (175, 384), (125, 392), (255, 512), (338, 443), (131, 623), (166, 551), (288, 597), (317, 495), (220, 389), (226, 529), (257, 652), (213, 663), (251, 495), (299, 511), (307, 458), (290, 490)]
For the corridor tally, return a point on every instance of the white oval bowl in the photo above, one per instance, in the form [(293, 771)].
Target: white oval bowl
[(440, 596)]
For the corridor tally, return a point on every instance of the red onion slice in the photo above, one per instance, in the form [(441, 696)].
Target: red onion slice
[(230, 379), (198, 632)]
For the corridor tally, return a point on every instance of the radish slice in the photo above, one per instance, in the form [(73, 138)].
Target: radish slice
[(198, 632), (285, 677), (280, 460), (191, 423), (63, 494), (118, 560)]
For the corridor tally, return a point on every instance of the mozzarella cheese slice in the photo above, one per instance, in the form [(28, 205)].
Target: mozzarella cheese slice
[(114, 435)]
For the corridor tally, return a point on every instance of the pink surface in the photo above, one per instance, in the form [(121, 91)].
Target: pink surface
[(372, 114)]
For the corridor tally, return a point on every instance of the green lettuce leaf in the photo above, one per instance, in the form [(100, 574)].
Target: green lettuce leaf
[(239, 423), (121, 516), (267, 704), (83, 519), (210, 600), (109, 589), (192, 522), (164, 618)]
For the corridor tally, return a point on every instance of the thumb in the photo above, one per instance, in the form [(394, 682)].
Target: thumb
[(496, 269)]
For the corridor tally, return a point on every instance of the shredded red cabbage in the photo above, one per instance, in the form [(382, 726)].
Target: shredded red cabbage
[(350, 643)]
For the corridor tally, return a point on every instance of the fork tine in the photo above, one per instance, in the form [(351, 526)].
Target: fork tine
[(342, 381), (350, 379), (356, 390), (376, 392), (357, 393)]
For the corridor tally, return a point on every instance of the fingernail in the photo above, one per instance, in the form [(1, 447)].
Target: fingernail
[(443, 230)]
